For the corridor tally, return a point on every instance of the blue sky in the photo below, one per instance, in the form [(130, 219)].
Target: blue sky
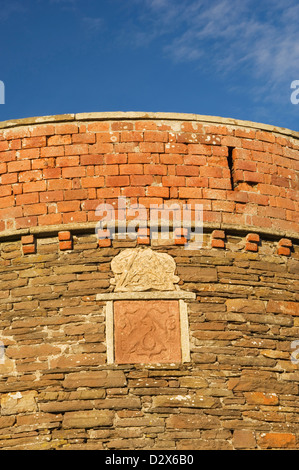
[(228, 58)]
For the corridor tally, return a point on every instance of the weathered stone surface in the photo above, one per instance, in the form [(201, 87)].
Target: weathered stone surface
[(244, 439), (110, 378), (87, 419)]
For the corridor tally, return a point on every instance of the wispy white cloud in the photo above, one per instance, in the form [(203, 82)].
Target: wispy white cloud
[(258, 38)]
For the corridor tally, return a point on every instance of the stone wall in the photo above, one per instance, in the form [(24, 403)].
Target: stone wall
[(240, 388)]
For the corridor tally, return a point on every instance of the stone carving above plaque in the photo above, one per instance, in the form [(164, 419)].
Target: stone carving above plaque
[(143, 270)]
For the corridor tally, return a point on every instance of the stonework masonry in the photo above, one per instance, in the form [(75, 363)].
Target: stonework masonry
[(58, 387)]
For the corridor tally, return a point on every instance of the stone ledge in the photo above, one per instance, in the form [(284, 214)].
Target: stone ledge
[(133, 115), (148, 295), (89, 227)]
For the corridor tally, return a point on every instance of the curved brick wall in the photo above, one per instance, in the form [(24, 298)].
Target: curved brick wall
[(56, 170), (240, 388)]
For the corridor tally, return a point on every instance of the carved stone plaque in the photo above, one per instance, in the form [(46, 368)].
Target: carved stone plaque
[(147, 331)]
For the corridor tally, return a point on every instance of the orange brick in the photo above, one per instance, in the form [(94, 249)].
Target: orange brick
[(155, 136), (133, 191), (49, 219), (76, 149), (57, 184), (216, 243), (73, 194), (34, 209), (104, 243), (157, 191), (57, 151), (100, 147), (253, 237), (190, 193), (32, 175), (122, 180), (282, 250), (285, 242), (131, 136), (220, 234), (109, 137), (32, 142), (7, 201), (34, 186), (172, 159), (48, 196), (64, 236), (88, 138), (199, 149), (25, 222), (92, 182), (113, 159), (251, 246), (198, 182), (188, 170), (141, 180), (98, 126), (104, 193), (42, 129), (155, 169), (68, 206), (5, 190), (148, 201), (176, 148), (122, 126), (27, 199), (27, 239), (152, 147), (9, 178), (73, 217), (92, 159), (173, 180), (67, 161), (131, 169), (18, 166), (66, 128), (51, 173), (29, 249)]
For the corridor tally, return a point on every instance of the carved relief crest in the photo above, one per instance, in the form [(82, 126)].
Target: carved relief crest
[(142, 270)]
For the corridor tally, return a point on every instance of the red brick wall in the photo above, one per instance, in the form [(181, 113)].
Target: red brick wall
[(58, 172)]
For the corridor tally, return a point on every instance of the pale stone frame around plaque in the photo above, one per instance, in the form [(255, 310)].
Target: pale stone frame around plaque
[(181, 296)]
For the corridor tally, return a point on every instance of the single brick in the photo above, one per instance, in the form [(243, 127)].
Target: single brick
[(285, 242), (29, 249), (282, 250), (27, 239), (251, 247), (253, 237), (217, 243), (66, 245), (64, 236), (218, 234)]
